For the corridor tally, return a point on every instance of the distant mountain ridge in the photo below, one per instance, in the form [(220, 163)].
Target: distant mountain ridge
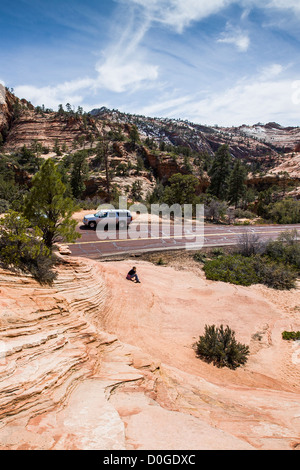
[(260, 144), (165, 146), (286, 138)]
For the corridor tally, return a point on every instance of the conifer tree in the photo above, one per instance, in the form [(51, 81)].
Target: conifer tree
[(79, 173), (134, 137), (181, 190), (47, 207), (219, 173), (237, 186)]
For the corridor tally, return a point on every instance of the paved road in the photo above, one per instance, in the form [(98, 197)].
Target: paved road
[(89, 245)]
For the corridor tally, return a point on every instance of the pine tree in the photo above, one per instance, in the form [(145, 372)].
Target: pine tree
[(237, 186), (60, 110), (102, 158), (69, 108), (47, 208), (79, 173), (134, 137), (219, 173)]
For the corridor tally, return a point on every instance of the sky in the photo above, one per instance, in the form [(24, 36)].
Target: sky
[(212, 62)]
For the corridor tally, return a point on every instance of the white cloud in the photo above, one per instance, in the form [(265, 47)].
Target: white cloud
[(163, 107), (120, 77), (247, 102), (285, 4), (118, 74), (125, 66), (52, 96), (271, 71), (251, 102), (237, 37), (296, 92), (178, 14), (2, 93)]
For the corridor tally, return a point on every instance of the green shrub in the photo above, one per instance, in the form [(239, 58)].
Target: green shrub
[(219, 346), (235, 269), (272, 274), (286, 211), (286, 249), (244, 214), (200, 257), (217, 252), (291, 335), (4, 206), (245, 271), (22, 247), (249, 244)]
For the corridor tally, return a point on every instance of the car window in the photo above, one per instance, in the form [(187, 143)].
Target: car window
[(101, 214), (123, 214)]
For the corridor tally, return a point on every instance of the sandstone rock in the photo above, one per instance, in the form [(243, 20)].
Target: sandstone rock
[(83, 366), (64, 250)]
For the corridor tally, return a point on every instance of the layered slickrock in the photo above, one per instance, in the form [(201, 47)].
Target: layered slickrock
[(98, 362), (47, 129), (11, 108), (47, 344)]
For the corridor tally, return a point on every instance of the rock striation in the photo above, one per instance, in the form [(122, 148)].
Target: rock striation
[(268, 149), (82, 366)]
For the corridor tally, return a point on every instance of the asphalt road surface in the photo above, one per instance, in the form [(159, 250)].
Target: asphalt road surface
[(141, 239)]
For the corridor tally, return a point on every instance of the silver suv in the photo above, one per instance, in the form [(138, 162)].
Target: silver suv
[(110, 218)]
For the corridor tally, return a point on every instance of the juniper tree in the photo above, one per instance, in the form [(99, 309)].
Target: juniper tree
[(22, 247)]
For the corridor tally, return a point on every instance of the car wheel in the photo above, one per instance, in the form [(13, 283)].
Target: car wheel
[(122, 225), (92, 225)]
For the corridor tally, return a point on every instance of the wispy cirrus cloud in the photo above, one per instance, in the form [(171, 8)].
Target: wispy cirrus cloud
[(160, 57), (266, 96), (236, 36), (123, 65), (178, 14), (293, 5)]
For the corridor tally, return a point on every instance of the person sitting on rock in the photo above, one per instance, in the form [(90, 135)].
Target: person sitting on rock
[(132, 275)]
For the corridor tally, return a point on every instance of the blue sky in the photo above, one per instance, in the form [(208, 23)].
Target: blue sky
[(224, 62)]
